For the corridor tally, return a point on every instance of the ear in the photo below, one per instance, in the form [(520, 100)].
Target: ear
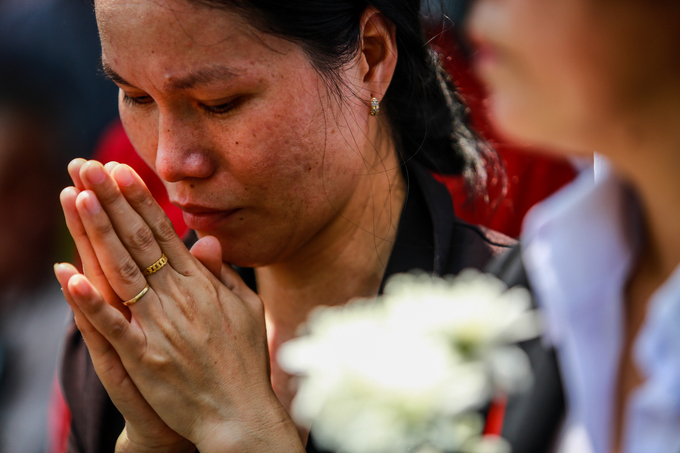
[(378, 57)]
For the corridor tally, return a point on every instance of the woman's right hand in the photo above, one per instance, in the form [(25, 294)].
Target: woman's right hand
[(195, 348), (144, 430)]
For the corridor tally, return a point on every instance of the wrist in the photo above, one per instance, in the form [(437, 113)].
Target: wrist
[(128, 442), (270, 431)]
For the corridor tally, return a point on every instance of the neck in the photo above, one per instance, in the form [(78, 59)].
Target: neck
[(347, 259), (648, 155)]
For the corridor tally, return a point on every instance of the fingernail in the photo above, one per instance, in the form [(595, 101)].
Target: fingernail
[(123, 175), (67, 196), (76, 161), (95, 173), (109, 166), (91, 203), (79, 286)]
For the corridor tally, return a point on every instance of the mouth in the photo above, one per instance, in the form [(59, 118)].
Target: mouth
[(202, 218)]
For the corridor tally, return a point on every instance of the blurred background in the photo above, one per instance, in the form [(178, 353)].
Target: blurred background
[(54, 106)]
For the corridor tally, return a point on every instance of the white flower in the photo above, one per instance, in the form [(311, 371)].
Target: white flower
[(410, 370)]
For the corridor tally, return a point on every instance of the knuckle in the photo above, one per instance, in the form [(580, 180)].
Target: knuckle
[(158, 360), (165, 229), (146, 200), (103, 228), (128, 271), (117, 328), (141, 239), (108, 195), (139, 198)]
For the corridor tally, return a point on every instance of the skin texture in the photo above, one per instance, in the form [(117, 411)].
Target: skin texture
[(286, 156), (272, 172), (603, 75), (316, 182), (135, 351)]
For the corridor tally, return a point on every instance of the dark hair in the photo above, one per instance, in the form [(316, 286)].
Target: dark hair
[(427, 117)]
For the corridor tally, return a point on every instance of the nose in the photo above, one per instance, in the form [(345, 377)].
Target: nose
[(181, 152)]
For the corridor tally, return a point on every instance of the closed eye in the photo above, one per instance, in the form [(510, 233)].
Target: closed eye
[(223, 109), (137, 100), (216, 110)]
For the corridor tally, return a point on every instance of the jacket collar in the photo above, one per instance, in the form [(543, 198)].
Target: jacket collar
[(425, 235)]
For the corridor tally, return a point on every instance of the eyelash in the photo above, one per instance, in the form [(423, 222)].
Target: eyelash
[(217, 110), (222, 109), (137, 101)]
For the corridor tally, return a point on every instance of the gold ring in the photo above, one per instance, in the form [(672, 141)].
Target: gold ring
[(155, 267), (137, 297)]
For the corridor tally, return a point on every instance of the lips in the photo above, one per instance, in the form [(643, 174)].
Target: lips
[(485, 54), (206, 219), (483, 30)]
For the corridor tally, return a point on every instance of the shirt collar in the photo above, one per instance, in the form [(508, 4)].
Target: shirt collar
[(579, 246), (653, 413)]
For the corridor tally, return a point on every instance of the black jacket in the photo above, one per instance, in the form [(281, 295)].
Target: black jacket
[(533, 419), (430, 238)]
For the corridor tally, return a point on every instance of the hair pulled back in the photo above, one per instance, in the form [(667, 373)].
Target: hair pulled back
[(428, 119)]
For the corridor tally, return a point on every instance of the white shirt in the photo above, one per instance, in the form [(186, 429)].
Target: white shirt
[(579, 246)]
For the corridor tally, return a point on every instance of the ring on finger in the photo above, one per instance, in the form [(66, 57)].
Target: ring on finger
[(134, 300), (155, 267)]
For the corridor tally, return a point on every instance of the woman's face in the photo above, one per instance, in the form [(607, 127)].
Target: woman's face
[(238, 124), (562, 72)]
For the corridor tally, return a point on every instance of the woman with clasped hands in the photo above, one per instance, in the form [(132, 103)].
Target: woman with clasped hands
[(297, 139)]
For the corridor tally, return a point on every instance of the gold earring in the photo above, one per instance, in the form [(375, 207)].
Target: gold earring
[(375, 106)]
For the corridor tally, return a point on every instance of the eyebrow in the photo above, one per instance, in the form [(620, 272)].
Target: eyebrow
[(113, 75), (201, 76)]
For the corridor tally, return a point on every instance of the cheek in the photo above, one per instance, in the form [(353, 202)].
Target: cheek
[(141, 128), (297, 154), (280, 163), (540, 102)]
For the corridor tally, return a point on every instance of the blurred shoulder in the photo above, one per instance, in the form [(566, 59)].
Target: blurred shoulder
[(476, 246)]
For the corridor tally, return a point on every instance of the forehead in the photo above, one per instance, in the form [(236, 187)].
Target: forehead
[(173, 36), (160, 18)]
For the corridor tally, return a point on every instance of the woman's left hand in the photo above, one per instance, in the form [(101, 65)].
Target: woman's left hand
[(194, 345)]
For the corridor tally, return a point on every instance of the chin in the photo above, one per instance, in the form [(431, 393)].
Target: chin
[(524, 128), (511, 123), (246, 253)]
